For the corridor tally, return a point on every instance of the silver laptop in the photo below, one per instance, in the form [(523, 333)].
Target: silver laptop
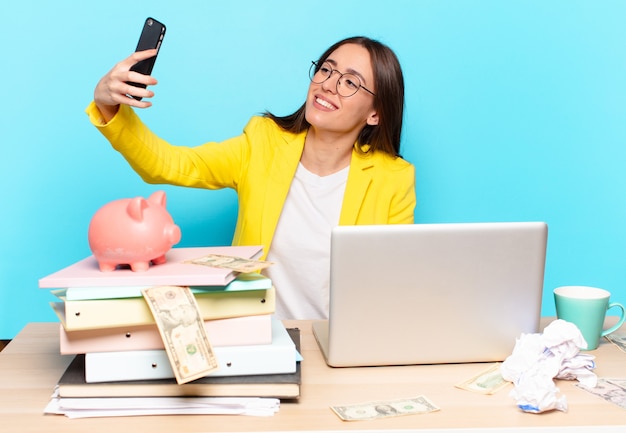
[(432, 293)]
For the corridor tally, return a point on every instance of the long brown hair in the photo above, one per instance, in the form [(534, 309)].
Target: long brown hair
[(388, 102)]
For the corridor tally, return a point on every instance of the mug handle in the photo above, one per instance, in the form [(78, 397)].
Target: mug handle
[(619, 322)]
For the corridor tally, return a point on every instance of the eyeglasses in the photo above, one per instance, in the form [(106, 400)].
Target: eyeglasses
[(347, 84)]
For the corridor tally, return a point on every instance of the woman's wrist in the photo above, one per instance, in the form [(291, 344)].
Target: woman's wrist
[(108, 112)]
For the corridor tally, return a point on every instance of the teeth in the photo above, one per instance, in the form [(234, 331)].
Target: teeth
[(325, 104)]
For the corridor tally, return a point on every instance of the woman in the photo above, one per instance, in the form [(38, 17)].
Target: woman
[(334, 161)]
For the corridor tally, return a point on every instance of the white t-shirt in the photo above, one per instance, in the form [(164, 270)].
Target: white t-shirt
[(301, 245)]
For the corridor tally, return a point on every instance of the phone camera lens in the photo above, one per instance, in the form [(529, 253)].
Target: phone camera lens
[(150, 22)]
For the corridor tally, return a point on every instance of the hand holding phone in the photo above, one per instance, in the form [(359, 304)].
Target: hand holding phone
[(151, 38)]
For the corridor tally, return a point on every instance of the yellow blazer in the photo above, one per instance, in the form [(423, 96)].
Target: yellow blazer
[(260, 165)]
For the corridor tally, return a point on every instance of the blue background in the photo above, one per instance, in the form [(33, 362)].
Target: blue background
[(515, 110)]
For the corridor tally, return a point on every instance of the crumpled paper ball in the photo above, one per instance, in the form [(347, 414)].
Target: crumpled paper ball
[(538, 359)]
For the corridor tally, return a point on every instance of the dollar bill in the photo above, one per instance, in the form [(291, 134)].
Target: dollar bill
[(488, 381), (385, 409), (182, 329), (611, 390), (618, 339), (237, 264)]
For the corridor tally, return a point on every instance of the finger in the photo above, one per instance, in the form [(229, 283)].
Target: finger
[(138, 104), (136, 77), (136, 91), (128, 100), (138, 56)]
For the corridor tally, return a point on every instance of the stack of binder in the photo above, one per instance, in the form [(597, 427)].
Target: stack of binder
[(118, 352)]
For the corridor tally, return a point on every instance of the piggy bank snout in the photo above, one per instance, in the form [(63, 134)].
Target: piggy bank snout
[(173, 234)]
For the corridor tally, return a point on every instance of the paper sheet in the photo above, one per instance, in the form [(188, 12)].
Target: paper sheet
[(115, 407)]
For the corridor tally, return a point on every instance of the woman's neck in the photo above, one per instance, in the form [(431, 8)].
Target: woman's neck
[(327, 154)]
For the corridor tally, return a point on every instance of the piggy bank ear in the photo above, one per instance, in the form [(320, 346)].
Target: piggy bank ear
[(157, 197), (135, 208)]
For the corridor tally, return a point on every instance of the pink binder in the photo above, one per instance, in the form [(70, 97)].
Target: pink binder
[(174, 272), (247, 330)]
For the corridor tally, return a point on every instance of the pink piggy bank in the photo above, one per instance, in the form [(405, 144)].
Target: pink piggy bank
[(132, 232)]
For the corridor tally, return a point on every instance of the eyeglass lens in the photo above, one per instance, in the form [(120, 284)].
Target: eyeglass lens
[(347, 84)]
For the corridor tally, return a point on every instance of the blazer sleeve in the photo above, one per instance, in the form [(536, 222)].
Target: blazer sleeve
[(211, 165)]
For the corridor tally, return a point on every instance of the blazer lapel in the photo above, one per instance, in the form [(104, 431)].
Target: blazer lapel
[(281, 173), (359, 179)]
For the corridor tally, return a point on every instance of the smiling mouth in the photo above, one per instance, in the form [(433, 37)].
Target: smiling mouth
[(325, 104)]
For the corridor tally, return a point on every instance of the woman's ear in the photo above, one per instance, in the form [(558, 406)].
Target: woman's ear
[(372, 119)]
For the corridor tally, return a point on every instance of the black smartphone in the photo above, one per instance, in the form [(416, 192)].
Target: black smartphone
[(151, 37)]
